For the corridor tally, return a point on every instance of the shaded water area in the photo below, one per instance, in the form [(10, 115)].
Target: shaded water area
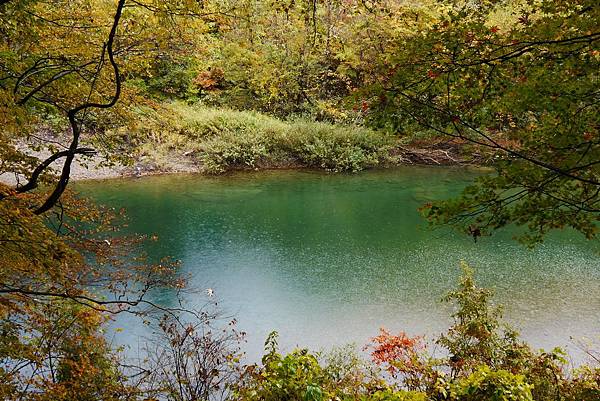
[(329, 259)]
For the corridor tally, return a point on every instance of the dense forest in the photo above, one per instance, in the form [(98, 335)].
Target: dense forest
[(337, 85)]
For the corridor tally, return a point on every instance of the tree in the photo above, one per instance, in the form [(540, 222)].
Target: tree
[(63, 268), (521, 90), (67, 61), (291, 57)]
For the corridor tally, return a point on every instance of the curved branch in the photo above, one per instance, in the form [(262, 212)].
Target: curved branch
[(50, 80), (33, 180), (72, 115)]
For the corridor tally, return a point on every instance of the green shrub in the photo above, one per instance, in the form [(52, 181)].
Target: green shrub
[(300, 376), (294, 377), (584, 386), (230, 150), (485, 384), (223, 140), (338, 148), (349, 373), (478, 336), (390, 395)]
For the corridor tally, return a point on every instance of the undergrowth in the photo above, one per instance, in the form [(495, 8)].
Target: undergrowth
[(219, 140)]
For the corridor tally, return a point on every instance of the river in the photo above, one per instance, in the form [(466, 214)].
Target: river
[(328, 259)]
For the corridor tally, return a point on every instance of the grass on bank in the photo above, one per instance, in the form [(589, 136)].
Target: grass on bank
[(219, 140)]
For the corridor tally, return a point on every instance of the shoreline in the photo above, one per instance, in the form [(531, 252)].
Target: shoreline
[(95, 168), (91, 169)]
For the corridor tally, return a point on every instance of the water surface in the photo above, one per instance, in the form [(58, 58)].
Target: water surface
[(328, 259)]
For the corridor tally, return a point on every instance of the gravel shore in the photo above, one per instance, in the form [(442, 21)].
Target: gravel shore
[(92, 168)]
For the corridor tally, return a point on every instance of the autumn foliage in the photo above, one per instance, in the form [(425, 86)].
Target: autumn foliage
[(395, 352)]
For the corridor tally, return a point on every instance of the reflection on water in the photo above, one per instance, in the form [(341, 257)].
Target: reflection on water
[(328, 259)]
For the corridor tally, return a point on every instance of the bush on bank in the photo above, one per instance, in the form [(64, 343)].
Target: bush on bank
[(220, 140)]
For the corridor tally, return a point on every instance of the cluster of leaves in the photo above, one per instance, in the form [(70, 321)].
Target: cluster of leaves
[(481, 360), (485, 384), (63, 274), (70, 71), (517, 81)]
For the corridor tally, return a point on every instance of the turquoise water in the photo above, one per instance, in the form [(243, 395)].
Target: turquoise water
[(329, 259)]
